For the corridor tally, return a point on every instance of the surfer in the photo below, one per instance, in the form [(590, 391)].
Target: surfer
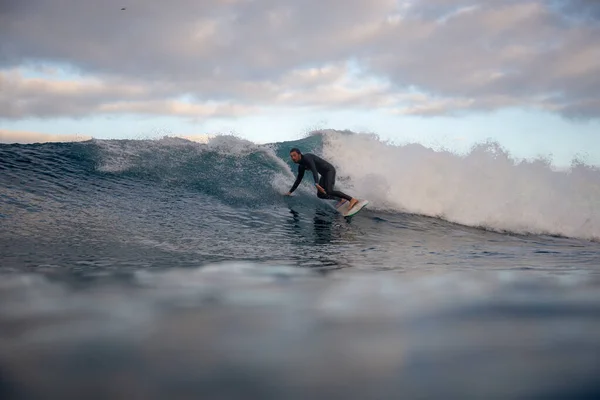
[(325, 184)]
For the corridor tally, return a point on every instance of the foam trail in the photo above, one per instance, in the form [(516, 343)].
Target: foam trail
[(484, 188)]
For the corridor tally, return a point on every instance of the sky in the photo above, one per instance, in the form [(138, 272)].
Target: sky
[(444, 73)]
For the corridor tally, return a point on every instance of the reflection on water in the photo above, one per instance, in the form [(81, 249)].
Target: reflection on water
[(322, 223), (322, 227)]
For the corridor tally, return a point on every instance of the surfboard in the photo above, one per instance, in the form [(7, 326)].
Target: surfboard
[(343, 209)]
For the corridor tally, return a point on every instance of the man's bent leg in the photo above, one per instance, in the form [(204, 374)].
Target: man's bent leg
[(330, 182), (323, 184)]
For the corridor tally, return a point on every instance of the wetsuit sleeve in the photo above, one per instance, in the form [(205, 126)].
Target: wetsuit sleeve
[(299, 178), (311, 164)]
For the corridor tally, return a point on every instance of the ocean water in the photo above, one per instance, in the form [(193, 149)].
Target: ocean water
[(172, 269)]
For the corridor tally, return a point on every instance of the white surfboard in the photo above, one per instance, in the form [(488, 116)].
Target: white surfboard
[(343, 209)]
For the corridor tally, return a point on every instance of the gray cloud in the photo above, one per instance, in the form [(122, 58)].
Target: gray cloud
[(24, 97), (230, 56), (586, 9), (187, 40)]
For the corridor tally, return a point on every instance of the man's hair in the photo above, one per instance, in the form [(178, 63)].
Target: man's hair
[(295, 150)]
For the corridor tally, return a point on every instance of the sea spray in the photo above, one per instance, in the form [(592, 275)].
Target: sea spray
[(484, 188)]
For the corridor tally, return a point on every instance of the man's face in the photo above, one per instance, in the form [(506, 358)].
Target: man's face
[(295, 156)]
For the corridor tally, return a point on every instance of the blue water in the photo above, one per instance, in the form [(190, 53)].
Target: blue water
[(173, 269)]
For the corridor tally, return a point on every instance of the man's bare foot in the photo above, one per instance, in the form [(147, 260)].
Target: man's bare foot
[(352, 203), (340, 203)]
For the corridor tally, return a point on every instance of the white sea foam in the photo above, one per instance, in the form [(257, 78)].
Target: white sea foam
[(483, 188)]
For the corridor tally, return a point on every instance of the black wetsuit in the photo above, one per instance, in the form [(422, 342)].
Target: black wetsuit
[(319, 166)]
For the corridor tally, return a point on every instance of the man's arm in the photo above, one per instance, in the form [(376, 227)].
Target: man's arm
[(298, 179)]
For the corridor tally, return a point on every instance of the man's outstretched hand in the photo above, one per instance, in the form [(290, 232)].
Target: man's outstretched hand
[(288, 194)]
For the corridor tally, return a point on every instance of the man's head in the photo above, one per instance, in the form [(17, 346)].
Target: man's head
[(296, 155)]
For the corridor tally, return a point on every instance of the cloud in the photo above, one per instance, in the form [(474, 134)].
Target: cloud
[(22, 97), (585, 9), (23, 137), (177, 108), (229, 58), (312, 87), (517, 50)]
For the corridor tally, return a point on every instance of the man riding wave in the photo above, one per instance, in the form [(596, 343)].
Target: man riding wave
[(325, 183)]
